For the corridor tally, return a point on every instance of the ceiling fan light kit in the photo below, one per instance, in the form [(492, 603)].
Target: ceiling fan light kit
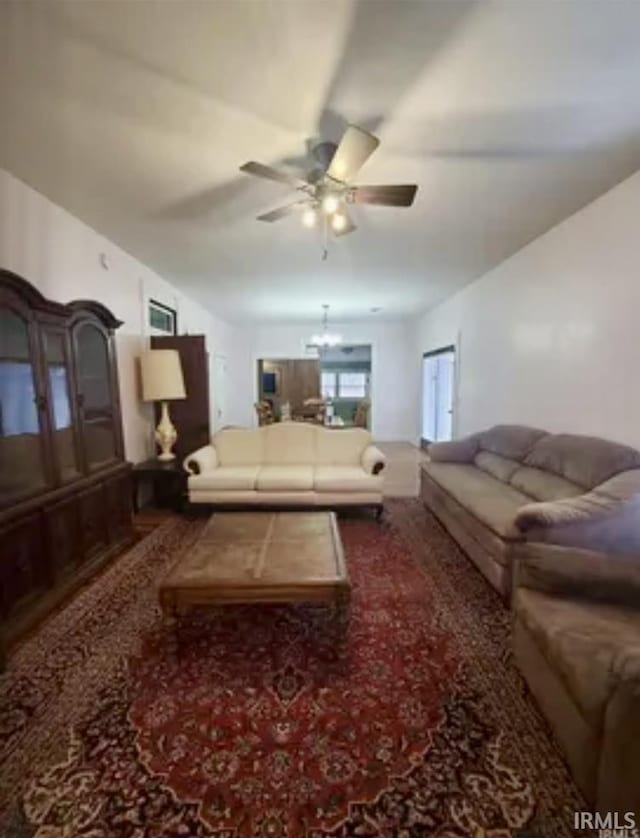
[(328, 189)]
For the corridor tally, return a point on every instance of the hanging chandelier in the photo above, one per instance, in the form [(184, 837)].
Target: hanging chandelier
[(326, 338)]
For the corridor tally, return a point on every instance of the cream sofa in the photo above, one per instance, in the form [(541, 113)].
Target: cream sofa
[(287, 464)]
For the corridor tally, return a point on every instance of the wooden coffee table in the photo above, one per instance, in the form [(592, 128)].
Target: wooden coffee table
[(260, 557)]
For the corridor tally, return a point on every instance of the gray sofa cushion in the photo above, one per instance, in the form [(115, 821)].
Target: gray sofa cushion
[(624, 486), (585, 460), (494, 503), (592, 646), (455, 451), (497, 466), (543, 485), (513, 441)]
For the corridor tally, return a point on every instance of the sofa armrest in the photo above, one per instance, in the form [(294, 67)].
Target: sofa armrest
[(594, 521), (203, 460), (373, 460), (456, 451), (573, 571), (559, 513)]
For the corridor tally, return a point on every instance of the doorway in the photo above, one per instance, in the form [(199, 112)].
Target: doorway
[(438, 387), (219, 391)]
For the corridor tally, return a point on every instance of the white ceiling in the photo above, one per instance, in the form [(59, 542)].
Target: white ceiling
[(135, 116)]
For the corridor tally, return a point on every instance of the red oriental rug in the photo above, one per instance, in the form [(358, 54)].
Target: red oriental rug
[(270, 723)]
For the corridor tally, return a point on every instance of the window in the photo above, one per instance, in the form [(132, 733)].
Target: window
[(352, 385), (162, 319), (344, 385), (328, 385)]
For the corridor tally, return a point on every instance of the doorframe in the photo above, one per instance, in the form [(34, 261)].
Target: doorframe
[(452, 347)]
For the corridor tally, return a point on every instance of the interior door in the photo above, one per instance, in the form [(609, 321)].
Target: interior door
[(191, 415), (438, 388), (219, 391)]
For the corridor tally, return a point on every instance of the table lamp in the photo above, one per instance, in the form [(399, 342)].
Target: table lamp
[(162, 381)]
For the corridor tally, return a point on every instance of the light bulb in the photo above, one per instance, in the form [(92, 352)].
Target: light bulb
[(330, 204), (309, 217), (339, 222)]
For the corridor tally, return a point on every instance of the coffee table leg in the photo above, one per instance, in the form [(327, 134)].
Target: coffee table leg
[(343, 610)]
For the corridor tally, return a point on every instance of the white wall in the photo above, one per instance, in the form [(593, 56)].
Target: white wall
[(61, 256), (551, 337), (393, 390)]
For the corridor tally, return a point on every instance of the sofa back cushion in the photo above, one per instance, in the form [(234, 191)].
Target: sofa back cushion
[(341, 446), (511, 441), (543, 485), (623, 486), (290, 444), (497, 466), (585, 460), (239, 446)]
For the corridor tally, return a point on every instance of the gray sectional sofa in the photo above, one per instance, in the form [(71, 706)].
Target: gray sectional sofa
[(553, 522), (513, 485)]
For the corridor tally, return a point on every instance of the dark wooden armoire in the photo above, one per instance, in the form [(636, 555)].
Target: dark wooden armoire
[(190, 415), (65, 497)]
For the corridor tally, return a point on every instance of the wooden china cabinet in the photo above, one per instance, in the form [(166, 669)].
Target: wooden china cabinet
[(65, 496)]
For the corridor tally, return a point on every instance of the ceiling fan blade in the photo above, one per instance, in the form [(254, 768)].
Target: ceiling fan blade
[(281, 212), (398, 195), (356, 146), (260, 170), (348, 228)]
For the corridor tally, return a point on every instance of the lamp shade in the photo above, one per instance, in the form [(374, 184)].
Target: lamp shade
[(161, 374)]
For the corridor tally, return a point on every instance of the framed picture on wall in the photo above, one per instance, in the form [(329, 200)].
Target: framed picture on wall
[(163, 320)]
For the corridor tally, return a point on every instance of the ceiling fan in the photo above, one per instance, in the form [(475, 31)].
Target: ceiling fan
[(327, 189)]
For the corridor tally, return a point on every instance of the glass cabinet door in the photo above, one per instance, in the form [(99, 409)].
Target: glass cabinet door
[(62, 417), (22, 466), (94, 395)]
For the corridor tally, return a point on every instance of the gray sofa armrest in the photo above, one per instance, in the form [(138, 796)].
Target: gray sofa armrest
[(593, 521), (558, 513), (573, 571), (456, 451), (373, 460), (200, 461)]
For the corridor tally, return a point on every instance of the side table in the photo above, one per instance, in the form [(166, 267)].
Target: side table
[(169, 482)]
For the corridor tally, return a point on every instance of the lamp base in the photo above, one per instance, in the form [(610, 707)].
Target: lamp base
[(166, 435)]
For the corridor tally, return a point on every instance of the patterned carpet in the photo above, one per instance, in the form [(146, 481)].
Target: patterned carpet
[(270, 723)]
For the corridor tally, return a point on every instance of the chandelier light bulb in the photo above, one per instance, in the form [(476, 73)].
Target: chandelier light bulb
[(309, 217), (330, 204), (339, 222)]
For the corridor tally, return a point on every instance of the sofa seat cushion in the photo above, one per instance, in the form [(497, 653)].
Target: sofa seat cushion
[(492, 502), (543, 485), (345, 479), (225, 478), (593, 647), (285, 478)]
